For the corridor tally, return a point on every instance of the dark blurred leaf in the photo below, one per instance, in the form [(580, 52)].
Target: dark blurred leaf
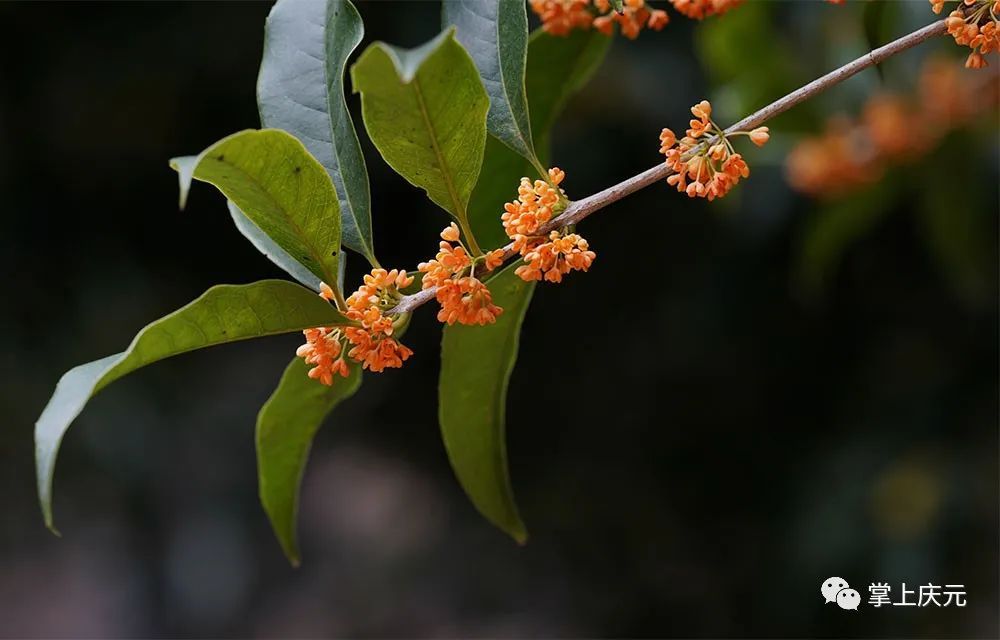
[(301, 89), (954, 224), (425, 110), (272, 251), (495, 33), (272, 178), (749, 56), (476, 363), (876, 15), (831, 231), (225, 313), (558, 67), (286, 425)]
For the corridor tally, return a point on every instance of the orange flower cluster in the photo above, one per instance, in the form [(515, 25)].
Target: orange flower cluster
[(891, 129), (705, 156), (323, 350), (699, 9), (555, 258), (974, 24), (634, 16), (537, 203), (559, 17), (370, 343), (463, 298)]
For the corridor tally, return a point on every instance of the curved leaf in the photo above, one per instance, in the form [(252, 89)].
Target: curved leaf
[(272, 251), (476, 363), (425, 110), (495, 33), (272, 178), (286, 425), (558, 67), (225, 313), (301, 89)]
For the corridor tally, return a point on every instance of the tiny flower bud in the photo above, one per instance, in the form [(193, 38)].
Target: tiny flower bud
[(450, 233), (760, 136)]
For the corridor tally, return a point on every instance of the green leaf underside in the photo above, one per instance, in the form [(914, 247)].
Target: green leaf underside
[(272, 251), (495, 33), (425, 111), (282, 189), (558, 67), (476, 363), (301, 89), (224, 313), (286, 425)]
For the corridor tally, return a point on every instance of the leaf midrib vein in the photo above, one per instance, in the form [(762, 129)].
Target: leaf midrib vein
[(445, 172), (313, 250)]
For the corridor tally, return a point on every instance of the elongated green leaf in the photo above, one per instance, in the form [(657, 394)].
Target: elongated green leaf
[(272, 178), (558, 67), (476, 363), (495, 33), (425, 110), (286, 425), (301, 90), (226, 313), (272, 251)]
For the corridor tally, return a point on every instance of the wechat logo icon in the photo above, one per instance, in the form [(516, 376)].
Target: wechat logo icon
[(837, 590)]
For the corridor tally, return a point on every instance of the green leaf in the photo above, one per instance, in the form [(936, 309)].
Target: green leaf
[(476, 363), (286, 425), (301, 90), (225, 313), (558, 67), (617, 5), (272, 251), (502, 169), (495, 33), (272, 178), (425, 110)]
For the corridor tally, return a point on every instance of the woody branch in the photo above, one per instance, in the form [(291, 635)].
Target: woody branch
[(580, 209)]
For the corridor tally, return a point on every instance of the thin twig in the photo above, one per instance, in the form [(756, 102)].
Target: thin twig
[(580, 209)]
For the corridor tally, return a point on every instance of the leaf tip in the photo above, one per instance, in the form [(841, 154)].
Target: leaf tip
[(50, 525)]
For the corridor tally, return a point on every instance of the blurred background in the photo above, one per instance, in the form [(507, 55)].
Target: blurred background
[(803, 382)]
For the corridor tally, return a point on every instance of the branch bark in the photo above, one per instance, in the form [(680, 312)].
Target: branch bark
[(580, 209)]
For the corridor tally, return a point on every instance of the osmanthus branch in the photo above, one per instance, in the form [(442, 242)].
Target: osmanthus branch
[(580, 209)]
